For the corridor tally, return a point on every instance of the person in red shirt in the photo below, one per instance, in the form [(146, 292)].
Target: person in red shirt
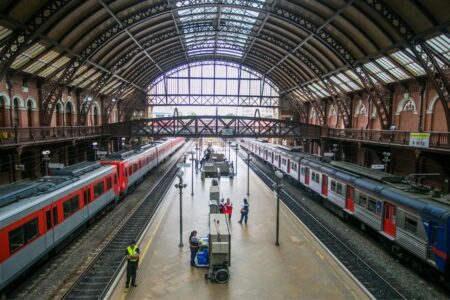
[(229, 208)]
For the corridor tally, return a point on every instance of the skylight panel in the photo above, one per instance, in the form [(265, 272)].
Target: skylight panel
[(232, 39), (341, 84), (376, 71), (396, 71), (404, 59), (441, 44)]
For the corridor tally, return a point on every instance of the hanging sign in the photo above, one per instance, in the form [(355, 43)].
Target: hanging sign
[(420, 140)]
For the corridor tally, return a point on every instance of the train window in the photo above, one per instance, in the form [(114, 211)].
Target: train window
[(140, 164), (410, 224), (70, 206), (130, 170), (339, 189), (108, 183), (98, 189), (303, 171), (87, 196), (115, 179), (362, 200), (135, 167), (315, 177), (124, 172), (23, 234), (48, 219), (333, 186), (372, 205), (55, 216)]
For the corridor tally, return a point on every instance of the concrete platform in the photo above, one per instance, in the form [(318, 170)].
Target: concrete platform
[(300, 268)]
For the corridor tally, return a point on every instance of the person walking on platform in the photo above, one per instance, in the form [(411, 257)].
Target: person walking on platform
[(193, 244), (229, 208), (132, 255), (222, 206), (244, 211)]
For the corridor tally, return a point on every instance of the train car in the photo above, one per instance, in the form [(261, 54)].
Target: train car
[(411, 221), (132, 165), (37, 215)]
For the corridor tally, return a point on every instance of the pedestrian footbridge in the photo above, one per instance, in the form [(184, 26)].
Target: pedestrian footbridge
[(214, 126)]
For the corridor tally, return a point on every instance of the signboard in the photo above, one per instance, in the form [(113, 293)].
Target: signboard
[(377, 167), (226, 131), (183, 165), (421, 140), (55, 166), (100, 152), (328, 154), (20, 167)]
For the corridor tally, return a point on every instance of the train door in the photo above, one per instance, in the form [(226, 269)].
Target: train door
[(49, 236), (324, 185), (306, 176), (389, 219), (288, 166), (433, 233), (349, 200), (279, 161), (271, 158)]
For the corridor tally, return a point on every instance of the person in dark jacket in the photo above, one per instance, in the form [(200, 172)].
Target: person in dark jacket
[(244, 211), (193, 244), (132, 256)]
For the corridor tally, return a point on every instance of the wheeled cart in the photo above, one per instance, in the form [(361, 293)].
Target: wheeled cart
[(219, 248)]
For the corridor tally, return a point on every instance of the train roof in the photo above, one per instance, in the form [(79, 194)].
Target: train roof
[(22, 194), (373, 174), (130, 153)]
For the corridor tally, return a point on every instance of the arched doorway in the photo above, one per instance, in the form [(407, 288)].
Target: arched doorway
[(29, 113), (15, 112), (95, 115), (69, 114), (58, 114), (2, 111)]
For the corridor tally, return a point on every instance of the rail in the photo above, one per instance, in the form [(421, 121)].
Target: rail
[(377, 286), (10, 136), (440, 140)]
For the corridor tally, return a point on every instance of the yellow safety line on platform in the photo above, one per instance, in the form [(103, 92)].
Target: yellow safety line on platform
[(147, 246)]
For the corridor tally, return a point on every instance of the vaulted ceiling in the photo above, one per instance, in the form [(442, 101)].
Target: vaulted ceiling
[(119, 46)]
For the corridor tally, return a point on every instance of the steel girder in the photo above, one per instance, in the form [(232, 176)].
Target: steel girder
[(341, 99), (111, 100), (95, 92), (22, 38), (51, 91), (215, 126), (439, 76)]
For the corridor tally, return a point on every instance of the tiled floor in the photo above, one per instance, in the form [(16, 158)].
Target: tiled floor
[(298, 269)]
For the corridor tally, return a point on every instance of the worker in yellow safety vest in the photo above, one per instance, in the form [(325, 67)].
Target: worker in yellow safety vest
[(132, 256)]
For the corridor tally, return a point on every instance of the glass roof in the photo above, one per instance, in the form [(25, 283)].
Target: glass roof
[(227, 30)]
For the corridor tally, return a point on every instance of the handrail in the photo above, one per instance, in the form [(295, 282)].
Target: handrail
[(16, 135), (399, 137)]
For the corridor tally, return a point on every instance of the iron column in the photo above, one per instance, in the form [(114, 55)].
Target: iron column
[(180, 185), (278, 188)]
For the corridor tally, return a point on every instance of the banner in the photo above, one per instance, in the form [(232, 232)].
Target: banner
[(421, 140)]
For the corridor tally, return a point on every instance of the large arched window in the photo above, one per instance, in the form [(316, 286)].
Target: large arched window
[(95, 115), (2, 111), (30, 113), (233, 88), (59, 114), (15, 112), (69, 109)]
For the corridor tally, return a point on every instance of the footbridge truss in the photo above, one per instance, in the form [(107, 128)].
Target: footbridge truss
[(214, 126)]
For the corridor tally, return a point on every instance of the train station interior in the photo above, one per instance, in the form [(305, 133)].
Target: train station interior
[(331, 117)]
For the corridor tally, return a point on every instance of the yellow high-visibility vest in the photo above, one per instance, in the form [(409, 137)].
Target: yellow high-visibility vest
[(131, 252)]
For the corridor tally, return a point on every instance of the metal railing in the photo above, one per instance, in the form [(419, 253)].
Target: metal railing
[(437, 139), (17, 135)]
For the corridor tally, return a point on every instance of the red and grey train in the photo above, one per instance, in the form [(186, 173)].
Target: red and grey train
[(408, 218), (38, 215)]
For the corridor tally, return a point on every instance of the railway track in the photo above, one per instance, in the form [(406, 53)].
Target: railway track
[(95, 280), (369, 278)]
